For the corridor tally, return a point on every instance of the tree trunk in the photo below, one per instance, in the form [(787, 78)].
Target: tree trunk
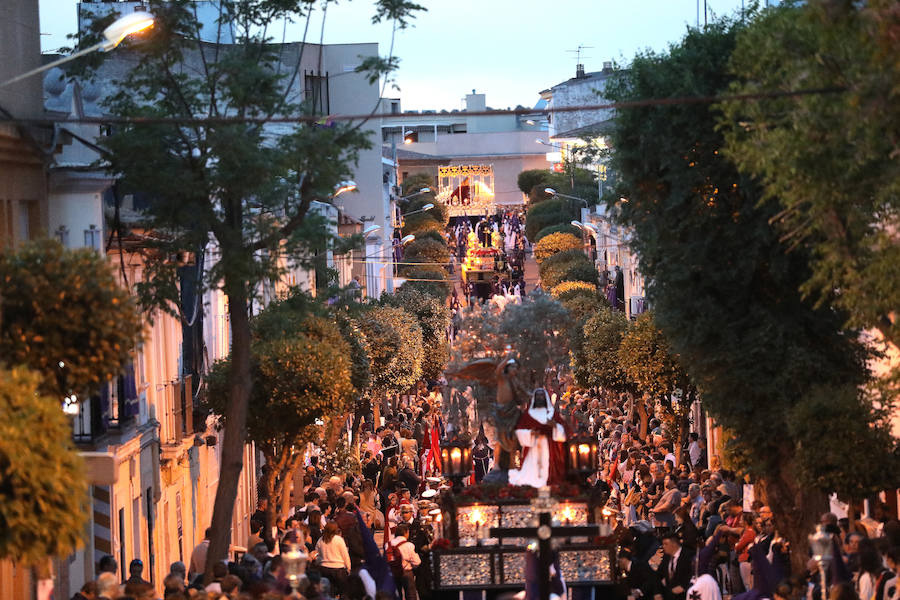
[(293, 464), (645, 418), (796, 508), (235, 429)]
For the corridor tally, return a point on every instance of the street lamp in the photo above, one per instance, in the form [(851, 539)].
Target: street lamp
[(343, 187), (371, 229), (424, 208), (114, 34), (424, 190), (553, 192), (407, 239)]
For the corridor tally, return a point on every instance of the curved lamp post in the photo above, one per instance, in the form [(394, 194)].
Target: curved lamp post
[(343, 187), (114, 34)]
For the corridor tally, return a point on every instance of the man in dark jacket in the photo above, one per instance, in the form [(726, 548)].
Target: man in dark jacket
[(675, 569), (638, 576)]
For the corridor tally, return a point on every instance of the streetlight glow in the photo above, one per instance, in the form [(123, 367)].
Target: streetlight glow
[(407, 239), (114, 34), (125, 26), (344, 186)]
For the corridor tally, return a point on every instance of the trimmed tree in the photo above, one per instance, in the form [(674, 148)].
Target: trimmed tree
[(395, 348), (650, 366), (43, 495), (301, 375), (571, 265), (433, 316), (559, 228), (549, 245), (63, 315), (557, 211)]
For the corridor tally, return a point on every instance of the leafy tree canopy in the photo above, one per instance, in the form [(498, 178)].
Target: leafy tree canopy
[(427, 250), (536, 331), (63, 314), (558, 211), (559, 228), (724, 288), (530, 178), (829, 161), (395, 346), (43, 494), (596, 362), (570, 265), (433, 316), (550, 244)]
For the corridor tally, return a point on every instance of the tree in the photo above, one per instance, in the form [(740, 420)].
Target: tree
[(828, 160), (580, 298), (433, 316), (596, 362), (651, 368), (536, 331), (301, 376), (571, 265), (549, 245), (428, 251), (558, 228), (723, 287), (63, 315), (428, 278), (242, 183), (395, 348), (531, 178), (43, 494), (557, 211)]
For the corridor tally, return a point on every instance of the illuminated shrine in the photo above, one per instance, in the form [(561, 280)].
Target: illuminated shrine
[(467, 190)]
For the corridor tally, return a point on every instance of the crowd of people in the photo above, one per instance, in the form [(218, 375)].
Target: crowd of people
[(504, 231), (688, 528)]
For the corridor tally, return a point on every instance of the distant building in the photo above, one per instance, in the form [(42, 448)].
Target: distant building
[(572, 129), (427, 140), (156, 455), (23, 185)]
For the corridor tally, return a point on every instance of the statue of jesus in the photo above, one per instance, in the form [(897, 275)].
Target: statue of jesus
[(541, 432)]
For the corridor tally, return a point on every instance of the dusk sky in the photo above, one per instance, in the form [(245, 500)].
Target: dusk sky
[(507, 49)]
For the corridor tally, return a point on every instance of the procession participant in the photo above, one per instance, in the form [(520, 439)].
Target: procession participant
[(541, 433)]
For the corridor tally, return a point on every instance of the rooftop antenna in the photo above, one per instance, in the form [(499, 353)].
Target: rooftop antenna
[(579, 66)]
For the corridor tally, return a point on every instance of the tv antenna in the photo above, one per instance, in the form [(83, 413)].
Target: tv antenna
[(577, 52)]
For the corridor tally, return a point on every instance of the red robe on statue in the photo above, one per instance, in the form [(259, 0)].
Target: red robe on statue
[(557, 473)]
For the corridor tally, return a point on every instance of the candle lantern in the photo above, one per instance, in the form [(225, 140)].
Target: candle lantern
[(581, 456), (456, 461)]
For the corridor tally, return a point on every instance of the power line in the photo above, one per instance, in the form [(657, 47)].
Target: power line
[(111, 120)]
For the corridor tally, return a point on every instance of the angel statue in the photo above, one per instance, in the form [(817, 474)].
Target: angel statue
[(501, 421)]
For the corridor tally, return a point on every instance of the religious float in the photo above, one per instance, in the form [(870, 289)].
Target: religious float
[(467, 190), (496, 536)]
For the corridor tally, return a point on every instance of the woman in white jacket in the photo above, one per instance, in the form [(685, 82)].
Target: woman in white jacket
[(333, 558)]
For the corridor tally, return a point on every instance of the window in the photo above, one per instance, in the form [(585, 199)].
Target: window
[(92, 238), (315, 92)]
